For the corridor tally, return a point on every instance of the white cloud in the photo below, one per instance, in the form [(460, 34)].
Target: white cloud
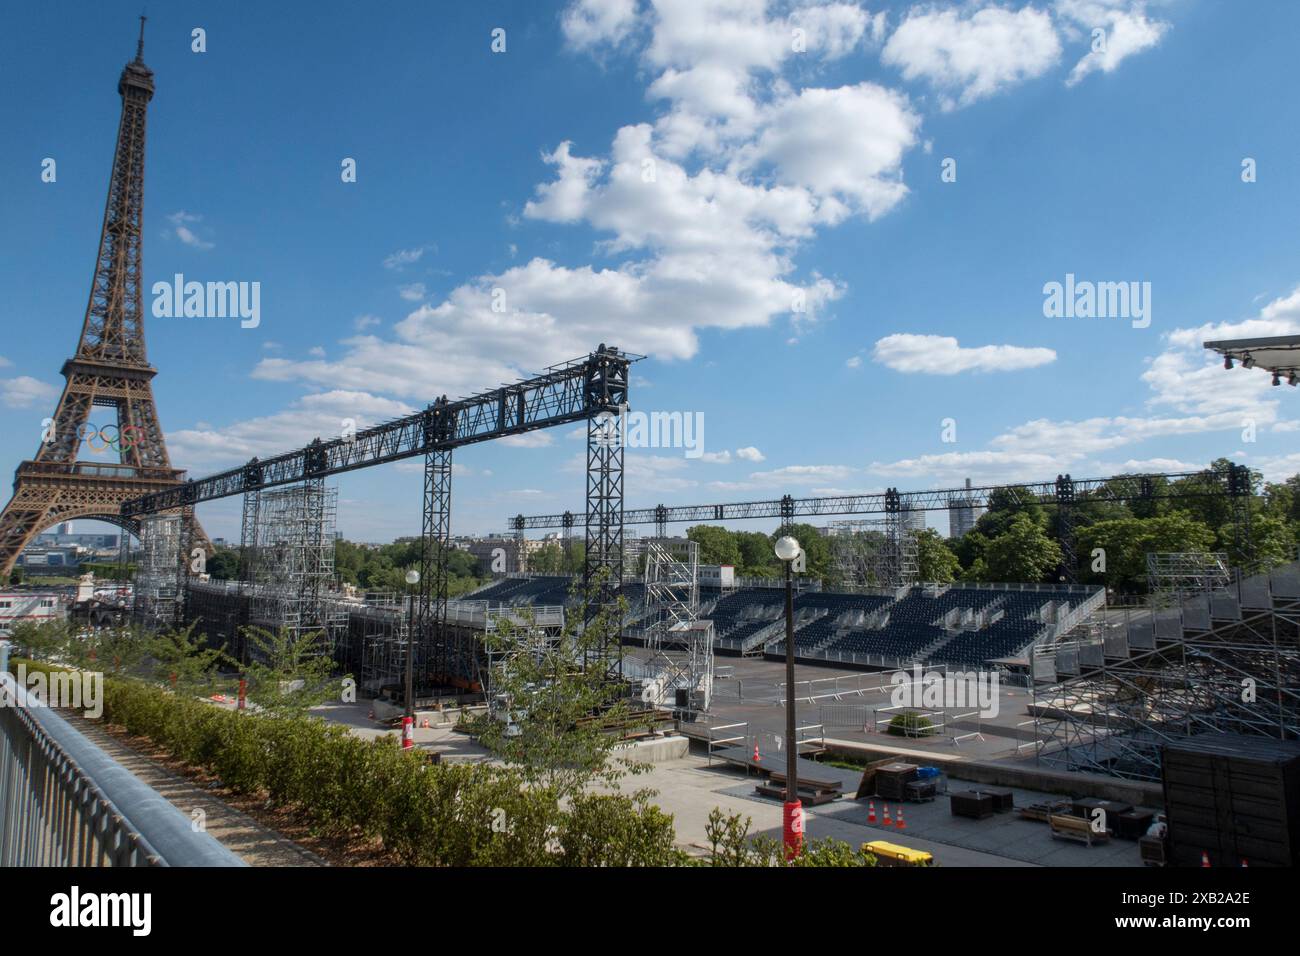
[(943, 355), (842, 145), (182, 231), (537, 439), (1278, 467), (750, 453), (1185, 378), (589, 23), (413, 292), (1136, 466), (321, 414), (1127, 28), (971, 55), (985, 466), (403, 257), (716, 457), (703, 239), (23, 391), (802, 474), (565, 198), (854, 362), (363, 322)]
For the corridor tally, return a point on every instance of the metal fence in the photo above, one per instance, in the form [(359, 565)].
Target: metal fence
[(64, 802)]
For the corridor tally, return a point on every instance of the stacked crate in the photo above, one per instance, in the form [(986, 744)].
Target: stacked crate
[(1234, 798)]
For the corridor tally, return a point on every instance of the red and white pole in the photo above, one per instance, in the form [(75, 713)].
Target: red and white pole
[(792, 829), (408, 733)]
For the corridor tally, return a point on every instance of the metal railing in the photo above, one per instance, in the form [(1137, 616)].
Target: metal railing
[(64, 802)]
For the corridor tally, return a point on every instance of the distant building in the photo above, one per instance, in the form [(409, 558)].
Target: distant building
[(60, 538), (36, 606), (504, 554), (50, 560), (962, 514)]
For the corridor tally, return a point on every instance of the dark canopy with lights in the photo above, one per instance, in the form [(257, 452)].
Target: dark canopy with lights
[(1279, 354)]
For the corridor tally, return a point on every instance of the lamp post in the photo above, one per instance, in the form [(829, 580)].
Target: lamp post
[(408, 721), (788, 550)]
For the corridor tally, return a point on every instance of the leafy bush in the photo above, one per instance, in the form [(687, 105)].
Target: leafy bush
[(911, 724)]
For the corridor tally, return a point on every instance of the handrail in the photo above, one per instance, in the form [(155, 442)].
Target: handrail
[(65, 802)]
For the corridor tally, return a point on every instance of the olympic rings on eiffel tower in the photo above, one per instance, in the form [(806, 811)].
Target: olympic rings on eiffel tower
[(121, 439)]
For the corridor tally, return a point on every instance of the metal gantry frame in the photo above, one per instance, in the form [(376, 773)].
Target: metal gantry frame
[(606, 387), (1065, 493), (593, 388)]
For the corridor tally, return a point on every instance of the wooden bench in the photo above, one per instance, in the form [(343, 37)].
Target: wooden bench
[(811, 791), (1068, 827)]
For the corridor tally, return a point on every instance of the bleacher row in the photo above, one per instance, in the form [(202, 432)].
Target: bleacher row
[(957, 626)]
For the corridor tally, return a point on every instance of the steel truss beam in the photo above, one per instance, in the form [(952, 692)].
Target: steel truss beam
[(1116, 488), (561, 395)]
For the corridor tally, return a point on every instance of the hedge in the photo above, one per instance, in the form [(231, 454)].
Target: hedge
[(425, 814)]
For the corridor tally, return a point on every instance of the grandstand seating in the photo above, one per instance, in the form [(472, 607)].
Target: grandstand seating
[(963, 627)]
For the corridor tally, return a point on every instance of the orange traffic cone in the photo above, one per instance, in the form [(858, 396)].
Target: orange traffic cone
[(371, 715), (887, 821), (901, 824), (871, 811), (757, 757), (1243, 861), (1205, 858), (424, 724)]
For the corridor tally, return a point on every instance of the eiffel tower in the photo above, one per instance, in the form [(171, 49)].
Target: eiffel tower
[(109, 371)]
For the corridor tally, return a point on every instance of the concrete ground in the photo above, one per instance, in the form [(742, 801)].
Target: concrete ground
[(689, 787), (856, 706)]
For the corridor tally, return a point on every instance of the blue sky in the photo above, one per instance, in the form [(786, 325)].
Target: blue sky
[(671, 177)]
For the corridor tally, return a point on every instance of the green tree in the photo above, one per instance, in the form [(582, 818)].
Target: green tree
[(717, 545), (1272, 538), (557, 711), (1121, 547), (223, 565), (183, 661), (43, 641), (934, 560), (289, 673), (757, 559), (1023, 552)]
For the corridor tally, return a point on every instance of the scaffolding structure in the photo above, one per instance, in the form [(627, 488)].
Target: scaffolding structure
[(293, 562), (876, 552), (857, 550), (1226, 660), (670, 570), (378, 640), (1176, 573), (158, 576)]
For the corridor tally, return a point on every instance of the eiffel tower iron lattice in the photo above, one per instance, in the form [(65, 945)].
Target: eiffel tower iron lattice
[(109, 370)]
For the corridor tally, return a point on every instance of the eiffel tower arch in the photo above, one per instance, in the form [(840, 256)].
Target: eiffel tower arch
[(109, 370)]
